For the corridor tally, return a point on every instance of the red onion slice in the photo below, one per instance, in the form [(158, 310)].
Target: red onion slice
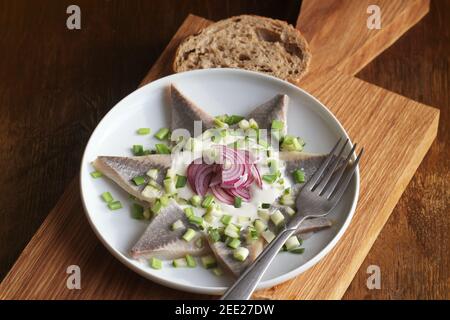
[(203, 178), (221, 195)]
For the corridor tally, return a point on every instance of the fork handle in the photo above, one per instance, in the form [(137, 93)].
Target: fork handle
[(244, 286)]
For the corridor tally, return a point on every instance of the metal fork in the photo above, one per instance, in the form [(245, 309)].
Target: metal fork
[(318, 197)]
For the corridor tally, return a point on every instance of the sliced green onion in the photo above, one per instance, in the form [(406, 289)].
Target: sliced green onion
[(139, 180), (287, 200), (196, 200), (207, 201), (277, 217), (226, 219), (244, 124), (253, 124), (162, 134), (259, 225), (155, 263), (196, 220), (264, 214), (114, 205), (265, 205), (269, 178), (189, 212), (150, 192), (138, 150), (107, 197), (217, 271), (232, 231), (162, 148), (156, 207), (179, 263), (290, 211), (181, 181), (164, 200), (291, 143), (143, 131), (297, 250), (234, 243), (240, 253), (299, 176), (153, 173), (177, 225), (96, 174), (189, 234), (208, 262), (233, 119), (214, 234), (268, 235), (292, 243), (253, 234), (190, 261), (219, 123), (237, 202), (137, 211)]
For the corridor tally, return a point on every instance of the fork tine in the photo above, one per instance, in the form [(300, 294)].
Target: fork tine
[(315, 177), (324, 181), (334, 181), (343, 183)]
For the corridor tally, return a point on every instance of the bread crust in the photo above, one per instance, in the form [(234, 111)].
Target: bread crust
[(249, 42)]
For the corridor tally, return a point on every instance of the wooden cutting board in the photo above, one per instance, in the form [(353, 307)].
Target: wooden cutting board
[(395, 131)]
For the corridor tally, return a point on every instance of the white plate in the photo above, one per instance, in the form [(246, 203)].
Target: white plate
[(218, 91)]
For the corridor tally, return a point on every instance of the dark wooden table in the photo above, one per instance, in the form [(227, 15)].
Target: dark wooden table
[(56, 84)]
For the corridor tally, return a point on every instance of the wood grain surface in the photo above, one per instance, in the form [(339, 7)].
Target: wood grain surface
[(422, 216)]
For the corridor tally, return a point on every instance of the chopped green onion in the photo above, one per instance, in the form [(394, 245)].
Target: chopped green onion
[(143, 131), (207, 201), (196, 200), (208, 217), (169, 186), (240, 253), (214, 234), (162, 148), (137, 211), (155, 263), (107, 197), (208, 262), (297, 250), (259, 225), (199, 243), (232, 231), (153, 173), (114, 205), (180, 263), (190, 261), (291, 143), (269, 178), (234, 243), (264, 214), (177, 225), (233, 119), (217, 271), (196, 220), (156, 207), (138, 150), (299, 176), (290, 211), (265, 205), (162, 134), (253, 234), (220, 124), (226, 219), (237, 202), (244, 124), (189, 212), (277, 217), (287, 200), (181, 181), (96, 174), (277, 124), (139, 180), (253, 124), (292, 243), (150, 192), (268, 235), (189, 234), (164, 200)]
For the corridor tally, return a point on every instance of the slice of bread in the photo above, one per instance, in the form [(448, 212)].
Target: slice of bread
[(248, 42)]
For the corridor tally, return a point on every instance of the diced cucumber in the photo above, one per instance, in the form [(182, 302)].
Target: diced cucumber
[(299, 176), (277, 218), (162, 148), (253, 124), (107, 197), (240, 253), (180, 263), (244, 124), (287, 200), (96, 174), (189, 212), (292, 243), (143, 131), (290, 211), (207, 201), (259, 225), (155, 263), (226, 219), (234, 243), (264, 214), (189, 235), (169, 186), (151, 192), (196, 200), (138, 150), (139, 180), (114, 205), (268, 235), (214, 234), (208, 262), (153, 173), (297, 250), (217, 271), (137, 211), (162, 134), (196, 220), (232, 231), (291, 143), (270, 178), (265, 205), (237, 202), (181, 181), (177, 225), (164, 200), (156, 207), (190, 261)]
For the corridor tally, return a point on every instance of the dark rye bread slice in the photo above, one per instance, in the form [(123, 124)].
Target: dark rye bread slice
[(248, 42)]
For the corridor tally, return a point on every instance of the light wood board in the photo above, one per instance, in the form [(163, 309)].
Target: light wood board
[(395, 131)]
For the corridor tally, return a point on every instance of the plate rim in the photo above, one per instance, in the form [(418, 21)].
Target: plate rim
[(219, 290)]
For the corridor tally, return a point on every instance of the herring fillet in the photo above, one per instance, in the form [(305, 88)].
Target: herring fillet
[(184, 112), (273, 109), (160, 241), (122, 170)]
